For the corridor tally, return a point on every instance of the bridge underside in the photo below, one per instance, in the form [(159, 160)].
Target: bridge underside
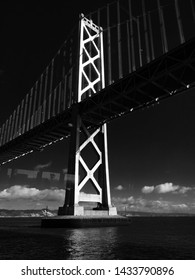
[(164, 77)]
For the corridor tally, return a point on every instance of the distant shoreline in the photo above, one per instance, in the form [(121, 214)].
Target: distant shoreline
[(5, 213)]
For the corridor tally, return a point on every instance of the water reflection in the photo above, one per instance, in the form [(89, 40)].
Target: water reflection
[(145, 238), (90, 243)]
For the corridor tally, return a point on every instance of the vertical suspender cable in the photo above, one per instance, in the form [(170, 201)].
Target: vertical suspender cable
[(109, 46), (12, 126), (40, 97), (29, 110), (64, 79), (45, 94), (131, 36), (25, 112), (16, 122), (162, 27), (179, 22), (151, 36), (54, 104), (193, 9), (49, 107), (33, 108), (145, 31), (139, 42), (6, 130), (50, 89), (59, 96), (9, 129), (21, 116), (128, 47), (33, 123), (2, 133), (120, 70)]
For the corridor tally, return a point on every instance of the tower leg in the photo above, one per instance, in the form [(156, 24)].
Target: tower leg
[(70, 206), (100, 182)]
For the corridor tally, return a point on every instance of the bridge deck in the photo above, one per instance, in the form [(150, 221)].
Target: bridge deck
[(165, 76)]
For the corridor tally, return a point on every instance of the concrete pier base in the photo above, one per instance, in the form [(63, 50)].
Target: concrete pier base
[(78, 210), (84, 221)]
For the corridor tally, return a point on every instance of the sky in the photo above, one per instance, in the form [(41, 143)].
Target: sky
[(151, 152)]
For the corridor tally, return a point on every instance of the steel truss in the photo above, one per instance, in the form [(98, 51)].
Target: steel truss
[(168, 75), (162, 78)]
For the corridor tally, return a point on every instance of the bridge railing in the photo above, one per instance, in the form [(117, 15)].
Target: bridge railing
[(134, 32)]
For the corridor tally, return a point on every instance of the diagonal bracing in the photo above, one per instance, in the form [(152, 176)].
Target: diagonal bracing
[(90, 79)]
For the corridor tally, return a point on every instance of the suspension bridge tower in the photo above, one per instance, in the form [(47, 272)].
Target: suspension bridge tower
[(81, 173)]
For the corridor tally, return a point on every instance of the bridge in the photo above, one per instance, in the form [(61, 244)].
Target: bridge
[(119, 59)]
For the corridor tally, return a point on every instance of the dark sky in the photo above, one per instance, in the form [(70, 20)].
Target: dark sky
[(151, 152)]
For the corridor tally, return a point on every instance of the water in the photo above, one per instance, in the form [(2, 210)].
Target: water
[(145, 238)]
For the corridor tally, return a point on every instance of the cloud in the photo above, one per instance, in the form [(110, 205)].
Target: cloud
[(182, 206), (42, 166), (123, 200), (147, 189), (183, 190), (141, 204), (168, 206), (18, 192), (130, 203), (166, 188), (119, 188)]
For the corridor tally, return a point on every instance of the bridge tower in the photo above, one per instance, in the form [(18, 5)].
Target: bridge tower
[(80, 171)]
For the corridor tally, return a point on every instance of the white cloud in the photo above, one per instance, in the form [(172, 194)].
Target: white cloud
[(157, 206), (147, 189), (119, 188), (123, 200), (130, 203), (183, 190), (182, 206), (18, 192), (42, 166), (166, 187), (168, 206)]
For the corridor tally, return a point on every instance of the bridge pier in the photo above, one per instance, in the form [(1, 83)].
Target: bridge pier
[(97, 174), (77, 210)]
